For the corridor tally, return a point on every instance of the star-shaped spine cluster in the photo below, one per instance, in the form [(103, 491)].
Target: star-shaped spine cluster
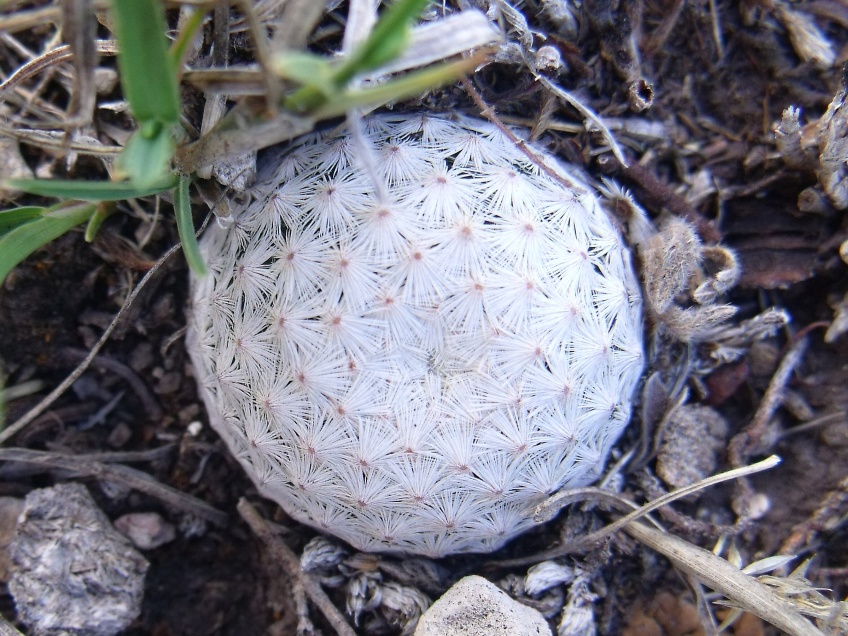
[(414, 367)]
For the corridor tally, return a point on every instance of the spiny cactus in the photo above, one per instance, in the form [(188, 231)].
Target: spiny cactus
[(411, 341)]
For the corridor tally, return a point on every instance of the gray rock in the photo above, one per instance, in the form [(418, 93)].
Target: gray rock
[(473, 607), (72, 572), (694, 437)]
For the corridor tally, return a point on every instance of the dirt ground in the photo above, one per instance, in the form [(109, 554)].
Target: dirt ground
[(693, 92)]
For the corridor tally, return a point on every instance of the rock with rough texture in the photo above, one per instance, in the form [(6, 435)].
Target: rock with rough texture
[(73, 573), (694, 438), (474, 606)]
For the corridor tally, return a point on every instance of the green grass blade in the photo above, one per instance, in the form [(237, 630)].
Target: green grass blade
[(103, 212), (17, 216), (388, 39), (90, 190), (23, 240), (179, 49), (185, 228), (306, 69), (408, 85), (147, 75), (146, 159)]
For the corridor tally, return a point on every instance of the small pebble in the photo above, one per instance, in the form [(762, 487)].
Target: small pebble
[(119, 435), (147, 530), (693, 439)]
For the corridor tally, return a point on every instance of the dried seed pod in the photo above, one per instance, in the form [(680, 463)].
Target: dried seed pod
[(416, 371)]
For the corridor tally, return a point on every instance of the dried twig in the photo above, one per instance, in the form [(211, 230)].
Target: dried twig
[(51, 58), (743, 590), (281, 551), (79, 28), (145, 395), (488, 112), (17, 21), (18, 470), (744, 442), (832, 508), (549, 508), (124, 475)]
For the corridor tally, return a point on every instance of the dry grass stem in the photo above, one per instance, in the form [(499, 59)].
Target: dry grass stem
[(743, 590), (549, 509)]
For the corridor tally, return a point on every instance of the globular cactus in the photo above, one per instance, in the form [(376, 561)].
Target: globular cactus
[(411, 339)]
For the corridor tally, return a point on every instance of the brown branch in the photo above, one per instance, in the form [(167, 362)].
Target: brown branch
[(744, 443), (124, 475)]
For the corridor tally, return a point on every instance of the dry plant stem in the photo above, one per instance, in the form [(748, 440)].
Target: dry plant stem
[(743, 590), (79, 28), (51, 58), (23, 20), (585, 112), (361, 17), (263, 55), (716, 29), (809, 425), (548, 509), (488, 112), (55, 141), (281, 551), (297, 20), (18, 470), (657, 39), (746, 441), (680, 523), (831, 509), (130, 477), (656, 195), (39, 408)]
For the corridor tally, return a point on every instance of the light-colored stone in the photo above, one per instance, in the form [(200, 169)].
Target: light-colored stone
[(475, 607), (72, 572)]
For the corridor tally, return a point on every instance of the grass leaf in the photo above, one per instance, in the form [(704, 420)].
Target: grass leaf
[(17, 216), (103, 212), (147, 75), (408, 85), (90, 190), (180, 47), (23, 240), (305, 68), (146, 159), (185, 228), (388, 39)]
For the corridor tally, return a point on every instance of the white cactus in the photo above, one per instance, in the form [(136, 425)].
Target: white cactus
[(414, 367)]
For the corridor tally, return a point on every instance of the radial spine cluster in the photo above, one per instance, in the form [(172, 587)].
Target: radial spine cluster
[(414, 367)]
